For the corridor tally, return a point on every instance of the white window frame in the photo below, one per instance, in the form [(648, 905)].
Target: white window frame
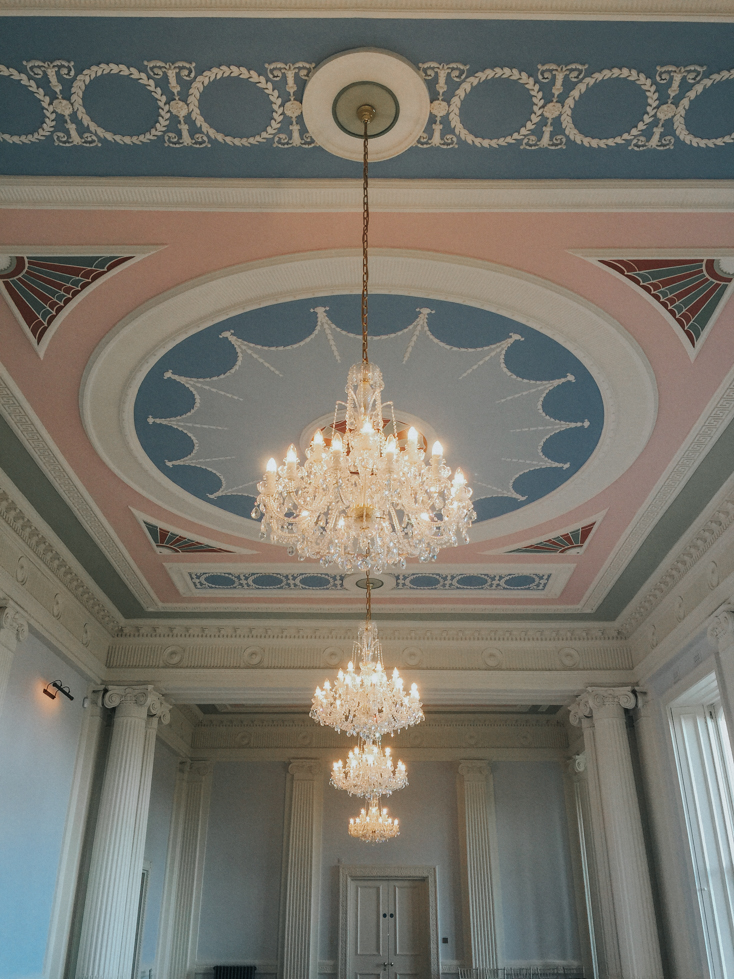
[(706, 777)]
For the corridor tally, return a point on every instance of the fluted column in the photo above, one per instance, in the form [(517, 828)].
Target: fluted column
[(108, 929), (13, 628), (184, 865), (721, 634), (605, 921), (639, 949), (474, 784), (303, 857)]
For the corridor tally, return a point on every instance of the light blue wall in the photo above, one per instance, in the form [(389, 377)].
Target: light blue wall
[(427, 810), (39, 739), (241, 890), (165, 767), (538, 909)]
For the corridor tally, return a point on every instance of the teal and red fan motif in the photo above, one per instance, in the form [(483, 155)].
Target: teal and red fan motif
[(692, 291), (39, 289), (572, 540), (168, 541)]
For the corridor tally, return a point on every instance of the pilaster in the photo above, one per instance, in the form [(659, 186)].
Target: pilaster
[(574, 786), (721, 634), (682, 939), (13, 629), (639, 949), (476, 815), (302, 863), (179, 926), (108, 927), (62, 911), (605, 921)]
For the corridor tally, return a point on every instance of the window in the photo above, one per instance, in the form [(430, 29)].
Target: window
[(706, 772)]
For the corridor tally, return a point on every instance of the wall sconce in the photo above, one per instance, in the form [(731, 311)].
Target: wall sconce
[(53, 689)]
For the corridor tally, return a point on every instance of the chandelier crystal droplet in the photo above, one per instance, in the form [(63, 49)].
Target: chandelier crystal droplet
[(373, 825), (364, 501), (369, 771)]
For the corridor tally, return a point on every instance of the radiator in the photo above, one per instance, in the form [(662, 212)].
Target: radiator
[(234, 972)]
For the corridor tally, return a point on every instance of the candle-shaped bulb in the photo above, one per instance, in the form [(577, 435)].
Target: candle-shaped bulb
[(291, 455), (367, 428), (271, 466), (412, 436), (437, 450), (336, 443), (391, 446), (459, 478), (318, 438)]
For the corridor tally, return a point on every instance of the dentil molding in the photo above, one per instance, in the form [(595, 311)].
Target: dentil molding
[(25, 528), (420, 196)]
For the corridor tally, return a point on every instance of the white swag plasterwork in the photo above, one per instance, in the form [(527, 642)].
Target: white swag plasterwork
[(60, 89)]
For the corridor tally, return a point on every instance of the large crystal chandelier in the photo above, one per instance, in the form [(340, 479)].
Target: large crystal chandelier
[(367, 703), (369, 771), (361, 499), (373, 825)]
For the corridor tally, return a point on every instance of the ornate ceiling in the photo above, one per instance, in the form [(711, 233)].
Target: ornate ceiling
[(551, 278)]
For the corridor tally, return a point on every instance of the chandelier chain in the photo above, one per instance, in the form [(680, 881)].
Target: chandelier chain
[(365, 238), (369, 598)]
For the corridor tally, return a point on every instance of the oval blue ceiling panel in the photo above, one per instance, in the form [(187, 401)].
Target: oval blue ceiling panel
[(514, 408)]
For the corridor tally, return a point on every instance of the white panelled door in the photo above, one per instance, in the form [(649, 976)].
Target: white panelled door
[(388, 929)]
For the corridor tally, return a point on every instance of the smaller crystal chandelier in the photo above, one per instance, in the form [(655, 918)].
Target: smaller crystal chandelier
[(369, 771), (373, 825), (368, 703)]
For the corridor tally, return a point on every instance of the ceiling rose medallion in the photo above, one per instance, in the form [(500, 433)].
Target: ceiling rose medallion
[(364, 501)]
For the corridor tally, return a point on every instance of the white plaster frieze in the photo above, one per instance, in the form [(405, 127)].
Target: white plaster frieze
[(460, 732)]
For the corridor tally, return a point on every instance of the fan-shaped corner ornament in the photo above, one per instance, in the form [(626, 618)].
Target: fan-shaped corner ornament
[(41, 289), (690, 292)]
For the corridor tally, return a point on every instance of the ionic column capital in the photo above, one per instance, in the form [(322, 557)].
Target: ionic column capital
[(721, 628), (600, 702), (305, 769), (474, 771), (138, 701), (13, 624), (577, 764)]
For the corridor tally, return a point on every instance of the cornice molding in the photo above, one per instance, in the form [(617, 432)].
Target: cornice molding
[(306, 647), (693, 10), (715, 524), (449, 731), (37, 442), (25, 528), (346, 632), (283, 194), (713, 423)]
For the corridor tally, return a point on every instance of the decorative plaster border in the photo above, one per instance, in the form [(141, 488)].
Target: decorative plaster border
[(459, 731), (702, 438), (123, 357), (38, 442), (270, 194), (634, 10), (718, 518), (73, 579), (557, 578)]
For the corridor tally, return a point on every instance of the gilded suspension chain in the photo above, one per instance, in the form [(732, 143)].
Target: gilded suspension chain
[(369, 598), (365, 233)]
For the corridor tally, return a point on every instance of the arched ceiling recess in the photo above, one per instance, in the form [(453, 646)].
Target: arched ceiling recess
[(121, 363)]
